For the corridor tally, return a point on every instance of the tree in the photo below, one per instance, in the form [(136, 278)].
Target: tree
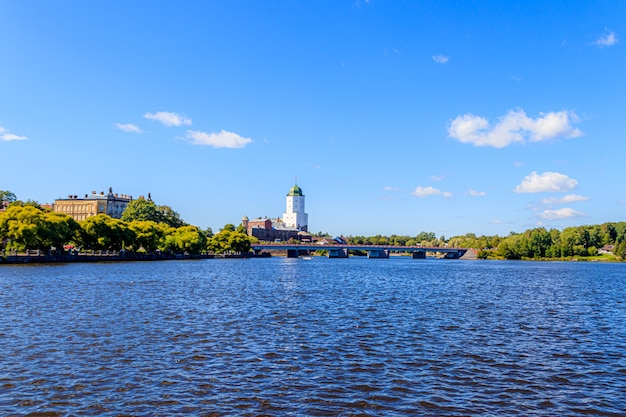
[(20, 225), (170, 217), (141, 210), (29, 227), (239, 242), (229, 240), (149, 235), (146, 210), (7, 196), (188, 239), (539, 241), (102, 232), (58, 230), (619, 250)]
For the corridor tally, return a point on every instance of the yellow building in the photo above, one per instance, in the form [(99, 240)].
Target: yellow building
[(91, 205)]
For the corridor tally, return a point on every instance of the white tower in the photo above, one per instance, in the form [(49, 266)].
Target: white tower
[(294, 215)]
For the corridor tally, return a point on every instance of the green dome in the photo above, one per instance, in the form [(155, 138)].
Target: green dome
[(295, 191)]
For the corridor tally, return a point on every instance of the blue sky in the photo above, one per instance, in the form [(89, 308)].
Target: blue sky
[(395, 116)]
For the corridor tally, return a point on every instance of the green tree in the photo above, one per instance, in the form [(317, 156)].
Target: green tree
[(513, 247), (188, 239), (229, 240), (609, 233), (539, 241), (149, 235), (7, 196), (239, 242), (146, 210), (619, 250), (29, 227), (21, 226), (102, 232), (59, 229), (170, 217), (141, 210)]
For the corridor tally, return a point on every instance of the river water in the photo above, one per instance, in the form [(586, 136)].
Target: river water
[(321, 337)]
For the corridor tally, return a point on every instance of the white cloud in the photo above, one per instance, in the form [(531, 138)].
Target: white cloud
[(515, 126), (128, 127), (222, 139), (437, 177), (547, 182), (568, 199), (390, 188), (5, 135), (441, 59), (423, 192), (608, 39), (560, 214), (475, 193), (169, 118)]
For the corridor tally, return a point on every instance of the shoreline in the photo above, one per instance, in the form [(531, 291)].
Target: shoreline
[(25, 259)]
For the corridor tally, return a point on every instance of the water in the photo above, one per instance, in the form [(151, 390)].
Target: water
[(289, 337)]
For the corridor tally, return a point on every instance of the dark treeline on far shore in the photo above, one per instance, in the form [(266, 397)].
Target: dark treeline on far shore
[(147, 227)]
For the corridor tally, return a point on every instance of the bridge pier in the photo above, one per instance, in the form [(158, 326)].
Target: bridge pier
[(338, 253), (378, 254), (293, 253), (419, 255)]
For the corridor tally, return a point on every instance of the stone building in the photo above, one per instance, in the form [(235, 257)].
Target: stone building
[(293, 224), (91, 205)]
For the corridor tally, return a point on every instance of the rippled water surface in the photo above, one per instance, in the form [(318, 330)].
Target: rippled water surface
[(289, 337)]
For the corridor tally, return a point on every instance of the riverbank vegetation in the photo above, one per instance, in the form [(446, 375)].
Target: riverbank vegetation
[(146, 228), (606, 241)]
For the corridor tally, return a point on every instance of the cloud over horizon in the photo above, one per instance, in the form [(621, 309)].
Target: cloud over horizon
[(423, 192), (222, 139), (128, 127), (547, 182), (169, 118), (561, 214), (513, 127), (7, 136)]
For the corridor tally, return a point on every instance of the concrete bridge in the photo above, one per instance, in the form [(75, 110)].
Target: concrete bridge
[(373, 251)]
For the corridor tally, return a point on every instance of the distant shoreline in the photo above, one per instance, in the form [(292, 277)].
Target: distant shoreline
[(25, 259)]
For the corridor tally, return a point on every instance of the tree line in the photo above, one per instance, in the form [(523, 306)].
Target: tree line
[(143, 227), (582, 241), (538, 243)]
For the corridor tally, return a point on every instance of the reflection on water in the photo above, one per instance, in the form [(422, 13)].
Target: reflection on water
[(322, 338)]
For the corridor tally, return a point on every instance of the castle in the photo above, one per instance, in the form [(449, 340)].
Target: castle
[(293, 225)]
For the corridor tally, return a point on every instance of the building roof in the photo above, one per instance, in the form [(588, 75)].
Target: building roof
[(295, 191)]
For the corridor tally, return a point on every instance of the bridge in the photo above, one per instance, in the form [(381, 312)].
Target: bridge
[(342, 250)]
